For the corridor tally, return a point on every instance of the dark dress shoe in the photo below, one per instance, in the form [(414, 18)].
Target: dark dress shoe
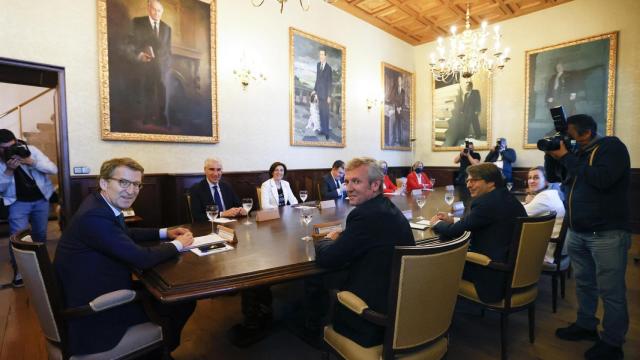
[(603, 351), (574, 332)]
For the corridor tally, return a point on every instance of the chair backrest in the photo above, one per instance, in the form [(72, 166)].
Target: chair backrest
[(559, 253), (319, 192), (259, 193), (423, 292), (187, 195), (531, 238), (39, 279)]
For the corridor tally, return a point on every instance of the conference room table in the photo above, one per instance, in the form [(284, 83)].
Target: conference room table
[(266, 253)]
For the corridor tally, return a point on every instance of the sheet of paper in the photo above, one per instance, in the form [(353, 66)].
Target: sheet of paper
[(198, 252), (223, 220), (203, 240)]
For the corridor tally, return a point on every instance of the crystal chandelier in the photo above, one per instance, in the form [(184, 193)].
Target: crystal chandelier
[(304, 4), (469, 53)]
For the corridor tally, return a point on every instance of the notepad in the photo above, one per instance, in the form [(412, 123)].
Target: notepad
[(223, 220), (222, 248), (420, 225), (203, 240)]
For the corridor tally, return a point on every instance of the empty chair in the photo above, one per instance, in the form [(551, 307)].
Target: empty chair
[(560, 266), (422, 296), (46, 297)]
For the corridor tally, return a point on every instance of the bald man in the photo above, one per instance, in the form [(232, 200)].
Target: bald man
[(212, 191)]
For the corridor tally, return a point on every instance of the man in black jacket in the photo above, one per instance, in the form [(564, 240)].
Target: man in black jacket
[(491, 220), (596, 181), (502, 157), (372, 231), (212, 191), (331, 186)]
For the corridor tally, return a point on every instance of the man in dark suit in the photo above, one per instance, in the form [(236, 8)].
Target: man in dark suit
[(471, 107), (397, 98), (151, 42), (212, 191), (331, 186), (96, 254), (322, 89), (366, 245), (491, 220)]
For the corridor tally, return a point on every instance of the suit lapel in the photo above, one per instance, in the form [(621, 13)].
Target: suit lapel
[(274, 190)]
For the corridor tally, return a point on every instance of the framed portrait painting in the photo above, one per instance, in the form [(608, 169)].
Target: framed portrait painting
[(579, 76), (398, 111), (461, 111), (158, 70), (317, 69)]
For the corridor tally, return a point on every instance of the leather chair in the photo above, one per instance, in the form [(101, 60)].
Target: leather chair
[(319, 192), (560, 266), (46, 297), (523, 268), (259, 193), (422, 296)]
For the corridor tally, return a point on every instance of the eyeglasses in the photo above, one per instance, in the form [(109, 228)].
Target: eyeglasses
[(471, 180), (124, 183)]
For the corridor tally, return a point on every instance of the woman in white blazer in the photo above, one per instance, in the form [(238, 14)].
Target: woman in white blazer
[(276, 191)]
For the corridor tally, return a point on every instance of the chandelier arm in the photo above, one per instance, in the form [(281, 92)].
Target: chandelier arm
[(303, 7), (256, 4)]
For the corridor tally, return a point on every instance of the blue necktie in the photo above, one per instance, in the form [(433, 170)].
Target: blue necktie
[(217, 199), (121, 221)]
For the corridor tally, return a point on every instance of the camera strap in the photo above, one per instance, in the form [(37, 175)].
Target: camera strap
[(593, 154)]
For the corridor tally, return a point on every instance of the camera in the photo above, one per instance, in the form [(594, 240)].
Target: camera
[(19, 148), (550, 143)]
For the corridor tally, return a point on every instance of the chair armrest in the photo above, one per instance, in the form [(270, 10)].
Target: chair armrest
[(484, 260), (101, 303), (352, 302), (112, 299), (554, 240), (478, 258)]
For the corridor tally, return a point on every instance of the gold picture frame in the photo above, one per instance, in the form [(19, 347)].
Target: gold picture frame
[(460, 112), (316, 92), (580, 75), (397, 134), (161, 88)]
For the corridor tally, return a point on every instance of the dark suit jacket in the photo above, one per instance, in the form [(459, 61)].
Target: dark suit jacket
[(491, 220), (373, 229), (471, 104), (201, 197), (142, 37), (323, 81), (328, 188), (95, 256)]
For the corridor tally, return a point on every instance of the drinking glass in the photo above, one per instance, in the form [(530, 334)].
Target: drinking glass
[(247, 204), (307, 216), (303, 195), (212, 213), (448, 198), (509, 186), (433, 183), (420, 200)]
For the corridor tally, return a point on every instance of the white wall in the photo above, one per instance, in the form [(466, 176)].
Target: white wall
[(566, 22), (254, 125), (37, 111)]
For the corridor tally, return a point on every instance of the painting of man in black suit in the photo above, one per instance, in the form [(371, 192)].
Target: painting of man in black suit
[(322, 89), (398, 112), (317, 115), (471, 107), (157, 70), (151, 43)]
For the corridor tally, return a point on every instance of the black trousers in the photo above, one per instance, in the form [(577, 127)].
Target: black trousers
[(172, 318)]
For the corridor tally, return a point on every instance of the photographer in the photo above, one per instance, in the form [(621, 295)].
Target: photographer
[(465, 158), (502, 157), (25, 188), (596, 179)]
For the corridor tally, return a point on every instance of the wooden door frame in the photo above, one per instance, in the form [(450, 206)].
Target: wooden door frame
[(46, 72)]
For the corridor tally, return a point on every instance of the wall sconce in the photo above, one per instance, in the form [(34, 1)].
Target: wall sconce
[(375, 100), (247, 73)]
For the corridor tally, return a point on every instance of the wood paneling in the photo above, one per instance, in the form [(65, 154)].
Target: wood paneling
[(421, 21)]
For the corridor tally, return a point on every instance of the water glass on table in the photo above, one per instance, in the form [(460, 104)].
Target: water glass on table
[(307, 216), (303, 195), (421, 200), (247, 204), (212, 213)]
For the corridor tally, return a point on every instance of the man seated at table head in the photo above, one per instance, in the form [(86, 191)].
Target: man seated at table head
[(491, 220), (97, 252), (212, 191), (372, 231), (332, 184)]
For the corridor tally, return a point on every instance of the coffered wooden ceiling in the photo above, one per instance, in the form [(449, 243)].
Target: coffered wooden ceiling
[(421, 21)]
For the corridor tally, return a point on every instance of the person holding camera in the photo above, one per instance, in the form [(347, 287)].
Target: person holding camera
[(25, 188), (465, 158), (596, 178), (502, 157)]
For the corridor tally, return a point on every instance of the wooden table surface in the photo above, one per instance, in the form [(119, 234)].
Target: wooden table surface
[(267, 253)]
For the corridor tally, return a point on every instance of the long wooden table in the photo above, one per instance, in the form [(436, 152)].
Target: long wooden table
[(267, 253)]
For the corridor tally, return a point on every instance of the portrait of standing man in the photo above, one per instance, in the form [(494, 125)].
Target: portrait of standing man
[(322, 89), (397, 113), (471, 108), (151, 42)]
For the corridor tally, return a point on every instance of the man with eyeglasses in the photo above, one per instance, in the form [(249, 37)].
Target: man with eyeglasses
[(25, 189), (96, 254), (491, 220)]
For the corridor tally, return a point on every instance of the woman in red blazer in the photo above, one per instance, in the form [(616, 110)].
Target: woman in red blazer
[(417, 178), (389, 186)]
